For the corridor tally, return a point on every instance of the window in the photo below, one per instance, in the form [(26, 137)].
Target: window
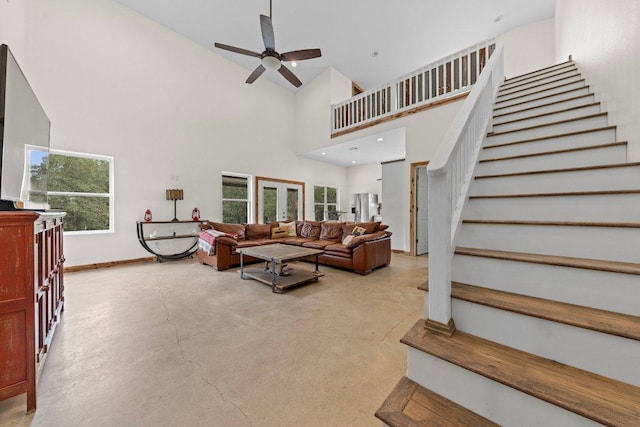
[(82, 186), (235, 198), (325, 203)]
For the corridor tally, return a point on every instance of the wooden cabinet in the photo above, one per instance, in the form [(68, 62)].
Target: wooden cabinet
[(31, 297)]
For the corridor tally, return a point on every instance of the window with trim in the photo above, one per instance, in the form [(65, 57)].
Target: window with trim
[(325, 203), (82, 186), (235, 198)]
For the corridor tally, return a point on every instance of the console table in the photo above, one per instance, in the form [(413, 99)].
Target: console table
[(166, 230), (31, 297)]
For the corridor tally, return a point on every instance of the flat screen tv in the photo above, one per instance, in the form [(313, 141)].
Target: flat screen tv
[(24, 140)]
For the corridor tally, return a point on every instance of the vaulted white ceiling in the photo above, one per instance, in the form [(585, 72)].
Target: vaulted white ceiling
[(406, 34)]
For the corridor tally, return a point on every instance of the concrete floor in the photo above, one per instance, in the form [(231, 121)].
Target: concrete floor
[(180, 344)]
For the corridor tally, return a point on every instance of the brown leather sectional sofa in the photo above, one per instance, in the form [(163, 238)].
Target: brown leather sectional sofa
[(362, 254)]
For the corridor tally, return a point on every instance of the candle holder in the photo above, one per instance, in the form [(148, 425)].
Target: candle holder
[(175, 195)]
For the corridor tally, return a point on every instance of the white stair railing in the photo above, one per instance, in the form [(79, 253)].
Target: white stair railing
[(450, 175), (439, 80)]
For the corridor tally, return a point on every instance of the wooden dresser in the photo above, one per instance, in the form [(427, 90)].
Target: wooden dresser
[(31, 297)]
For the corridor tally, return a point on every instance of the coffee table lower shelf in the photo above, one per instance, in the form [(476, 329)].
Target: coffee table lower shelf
[(293, 277)]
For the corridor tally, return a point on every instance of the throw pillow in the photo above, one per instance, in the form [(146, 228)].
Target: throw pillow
[(291, 227), (310, 230), (279, 232), (357, 231)]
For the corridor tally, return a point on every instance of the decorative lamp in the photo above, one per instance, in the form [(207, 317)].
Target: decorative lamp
[(173, 194)]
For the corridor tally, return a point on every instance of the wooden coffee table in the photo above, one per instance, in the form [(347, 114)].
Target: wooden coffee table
[(274, 273)]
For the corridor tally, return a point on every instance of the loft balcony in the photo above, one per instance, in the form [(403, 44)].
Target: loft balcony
[(442, 81)]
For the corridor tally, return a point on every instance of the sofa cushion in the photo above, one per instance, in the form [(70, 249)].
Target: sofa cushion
[(331, 231), (297, 241), (310, 230), (318, 244), (338, 248), (258, 231), (238, 229), (382, 227)]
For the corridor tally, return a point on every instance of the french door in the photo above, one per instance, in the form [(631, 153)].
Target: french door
[(279, 200)]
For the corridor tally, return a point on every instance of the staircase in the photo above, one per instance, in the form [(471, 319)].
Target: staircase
[(546, 275)]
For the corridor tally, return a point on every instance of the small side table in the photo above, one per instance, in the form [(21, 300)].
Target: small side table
[(166, 233)]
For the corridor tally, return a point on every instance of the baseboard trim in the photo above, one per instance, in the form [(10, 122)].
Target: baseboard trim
[(107, 264), (401, 252)]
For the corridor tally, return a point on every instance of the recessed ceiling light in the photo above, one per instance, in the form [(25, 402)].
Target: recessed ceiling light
[(374, 53), (294, 64), (353, 148), (323, 153), (353, 161), (380, 139), (497, 18)]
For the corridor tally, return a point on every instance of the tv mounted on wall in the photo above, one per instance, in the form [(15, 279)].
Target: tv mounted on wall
[(24, 140)]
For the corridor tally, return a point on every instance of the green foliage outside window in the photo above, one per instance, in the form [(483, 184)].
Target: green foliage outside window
[(235, 199), (79, 186)]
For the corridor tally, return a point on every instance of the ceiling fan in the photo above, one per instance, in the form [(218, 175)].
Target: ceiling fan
[(270, 58)]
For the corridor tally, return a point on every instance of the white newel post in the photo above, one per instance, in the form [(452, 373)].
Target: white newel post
[(440, 251)]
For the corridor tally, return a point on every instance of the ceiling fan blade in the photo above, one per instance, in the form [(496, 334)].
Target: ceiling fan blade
[(237, 50), (267, 32), (299, 55), (256, 73), (289, 76)]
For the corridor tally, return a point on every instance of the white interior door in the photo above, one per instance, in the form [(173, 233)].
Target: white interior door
[(422, 236), (279, 201)]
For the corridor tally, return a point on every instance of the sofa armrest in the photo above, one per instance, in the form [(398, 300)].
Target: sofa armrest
[(371, 254), (357, 241)]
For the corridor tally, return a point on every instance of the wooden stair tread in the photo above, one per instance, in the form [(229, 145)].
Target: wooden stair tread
[(576, 119), (598, 398), (560, 72), (496, 108), (496, 116), (608, 322), (537, 116), (575, 169), (543, 138), (411, 405), (584, 263), (565, 194), (560, 79), (545, 153), (558, 223), (560, 86), (541, 71)]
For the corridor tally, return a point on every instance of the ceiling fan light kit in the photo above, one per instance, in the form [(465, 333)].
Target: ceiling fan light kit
[(270, 59)]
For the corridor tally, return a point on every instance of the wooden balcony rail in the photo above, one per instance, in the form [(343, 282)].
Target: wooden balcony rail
[(435, 82)]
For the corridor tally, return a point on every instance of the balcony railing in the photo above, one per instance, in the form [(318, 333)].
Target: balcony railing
[(437, 81)]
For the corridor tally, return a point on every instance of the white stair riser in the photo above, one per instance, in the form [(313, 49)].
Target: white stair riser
[(543, 100), (518, 99), (590, 288), (624, 178), (549, 118), (545, 109), (590, 157), (596, 137), (585, 123), (497, 402), (539, 74), (514, 87), (537, 87), (601, 243), (603, 354), (614, 207)]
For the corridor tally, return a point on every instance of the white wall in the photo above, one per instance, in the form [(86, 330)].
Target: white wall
[(117, 84), (529, 48), (604, 39)]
